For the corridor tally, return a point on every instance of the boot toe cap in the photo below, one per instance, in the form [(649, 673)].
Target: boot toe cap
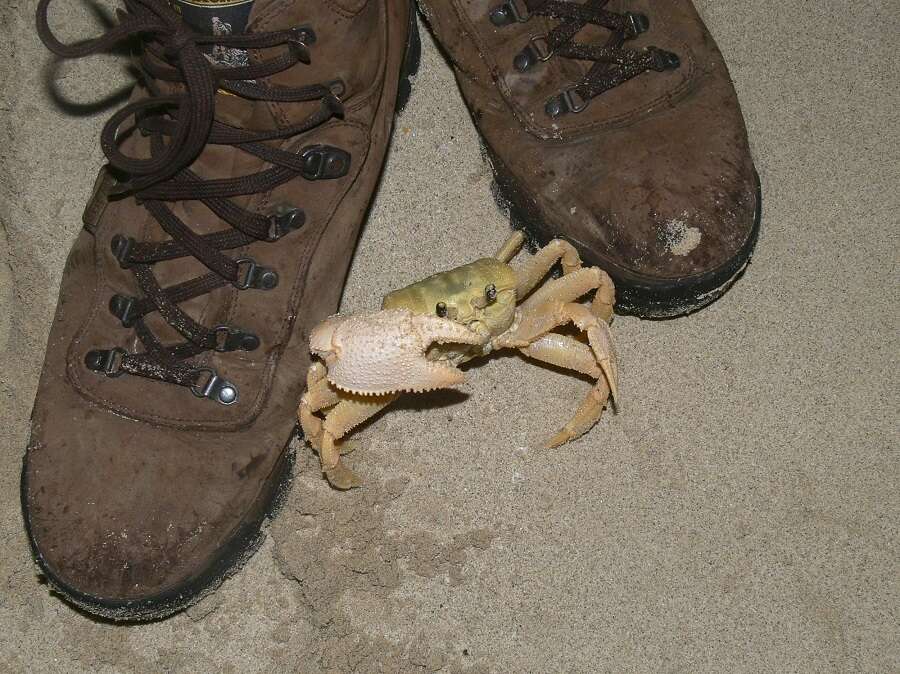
[(125, 531)]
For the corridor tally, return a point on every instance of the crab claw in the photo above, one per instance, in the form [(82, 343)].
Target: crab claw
[(384, 352)]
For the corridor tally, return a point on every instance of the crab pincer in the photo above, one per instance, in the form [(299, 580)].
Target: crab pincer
[(386, 351)]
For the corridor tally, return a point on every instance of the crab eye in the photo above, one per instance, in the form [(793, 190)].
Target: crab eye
[(490, 292), (441, 309)]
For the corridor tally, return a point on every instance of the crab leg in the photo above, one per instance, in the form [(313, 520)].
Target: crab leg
[(512, 247), (537, 266), (347, 415), (564, 351), (319, 395), (569, 288), (552, 306), (600, 340), (539, 314), (587, 415), (604, 298)]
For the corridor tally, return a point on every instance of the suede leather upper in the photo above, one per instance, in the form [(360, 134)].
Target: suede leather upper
[(653, 181), (133, 487)]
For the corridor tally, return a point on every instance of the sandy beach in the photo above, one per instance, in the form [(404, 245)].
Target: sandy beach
[(740, 513)]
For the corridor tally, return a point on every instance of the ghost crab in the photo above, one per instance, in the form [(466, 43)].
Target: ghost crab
[(424, 331)]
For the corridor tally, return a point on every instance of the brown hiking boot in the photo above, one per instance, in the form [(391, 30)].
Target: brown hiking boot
[(221, 233), (615, 125)]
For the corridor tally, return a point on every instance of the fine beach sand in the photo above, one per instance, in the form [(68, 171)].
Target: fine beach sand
[(740, 513)]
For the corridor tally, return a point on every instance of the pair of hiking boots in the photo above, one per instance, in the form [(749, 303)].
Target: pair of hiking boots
[(221, 231)]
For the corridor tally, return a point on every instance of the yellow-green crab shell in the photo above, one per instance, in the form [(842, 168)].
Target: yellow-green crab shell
[(480, 295)]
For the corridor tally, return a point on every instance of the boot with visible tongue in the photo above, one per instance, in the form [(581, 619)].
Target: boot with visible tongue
[(217, 236)]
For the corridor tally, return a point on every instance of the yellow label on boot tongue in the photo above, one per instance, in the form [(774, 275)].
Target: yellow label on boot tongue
[(216, 17)]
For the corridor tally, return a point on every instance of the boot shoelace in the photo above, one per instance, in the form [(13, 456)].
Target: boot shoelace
[(179, 126), (613, 64)]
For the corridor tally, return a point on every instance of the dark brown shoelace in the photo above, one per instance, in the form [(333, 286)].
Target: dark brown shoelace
[(613, 64), (179, 127)]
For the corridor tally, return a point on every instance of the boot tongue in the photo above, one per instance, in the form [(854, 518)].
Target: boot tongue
[(218, 17), (215, 17)]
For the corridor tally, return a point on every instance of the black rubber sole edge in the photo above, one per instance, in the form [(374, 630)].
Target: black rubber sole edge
[(251, 533), (411, 61), (635, 295)]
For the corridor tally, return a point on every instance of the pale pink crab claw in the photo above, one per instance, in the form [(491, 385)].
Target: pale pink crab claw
[(384, 352)]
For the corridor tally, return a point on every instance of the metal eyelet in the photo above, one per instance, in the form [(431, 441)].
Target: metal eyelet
[(663, 60), (537, 50), (302, 37), (121, 188), (323, 162), (511, 11), (337, 87), (121, 247), (285, 221), (107, 361), (334, 98), (568, 101), (300, 52), (229, 338), (541, 46), (215, 387), (334, 104), (252, 275), (304, 34), (635, 24), (122, 307), (574, 101)]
